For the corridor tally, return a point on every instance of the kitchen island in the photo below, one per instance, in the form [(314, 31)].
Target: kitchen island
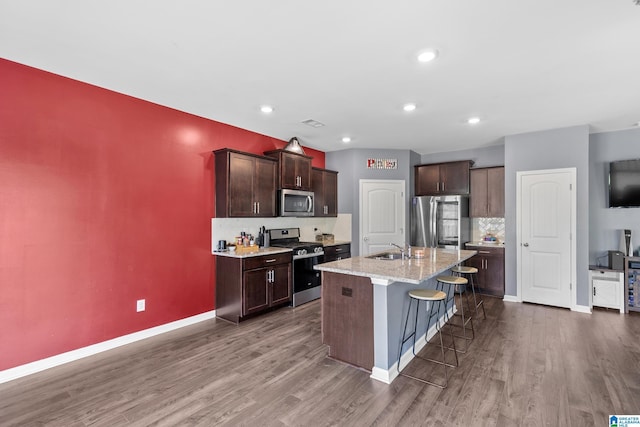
[(363, 301)]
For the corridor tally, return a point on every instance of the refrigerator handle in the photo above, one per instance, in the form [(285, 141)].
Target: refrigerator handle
[(434, 220)]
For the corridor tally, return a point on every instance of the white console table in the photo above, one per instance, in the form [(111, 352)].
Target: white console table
[(607, 288)]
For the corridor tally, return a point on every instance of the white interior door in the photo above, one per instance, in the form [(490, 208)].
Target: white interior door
[(546, 221), (382, 215)]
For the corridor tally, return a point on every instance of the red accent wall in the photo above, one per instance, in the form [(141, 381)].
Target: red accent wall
[(104, 199)]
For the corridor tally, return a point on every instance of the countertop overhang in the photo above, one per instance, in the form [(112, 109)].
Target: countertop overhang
[(413, 270)]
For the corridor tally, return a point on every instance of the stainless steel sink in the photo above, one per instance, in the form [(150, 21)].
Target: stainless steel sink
[(386, 256)]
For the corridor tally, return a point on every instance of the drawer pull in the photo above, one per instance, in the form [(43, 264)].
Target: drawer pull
[(270, 260), (484, 252)]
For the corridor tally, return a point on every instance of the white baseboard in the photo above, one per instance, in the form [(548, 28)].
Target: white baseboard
[(582, 309), (388, 375), (384, 375), (511, 298), (70, 356)]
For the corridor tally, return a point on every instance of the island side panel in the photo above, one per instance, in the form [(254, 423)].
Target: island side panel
[(347, 318)]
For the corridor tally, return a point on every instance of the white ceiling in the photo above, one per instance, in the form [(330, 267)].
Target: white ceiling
[(520, 66)]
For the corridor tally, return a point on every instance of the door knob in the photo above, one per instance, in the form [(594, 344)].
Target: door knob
[(365, 238), (526, 245)]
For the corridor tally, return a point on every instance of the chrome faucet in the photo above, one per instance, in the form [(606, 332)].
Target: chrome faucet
[(403, 253)]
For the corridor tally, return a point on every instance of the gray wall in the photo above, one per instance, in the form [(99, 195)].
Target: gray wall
[(553, 149), (352, 167), (483, 157), (604, 223)]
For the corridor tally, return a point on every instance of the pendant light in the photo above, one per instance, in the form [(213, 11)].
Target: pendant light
[(294, 146)]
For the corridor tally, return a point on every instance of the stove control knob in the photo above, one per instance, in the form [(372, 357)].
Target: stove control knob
[(302, 252), (318, 249)]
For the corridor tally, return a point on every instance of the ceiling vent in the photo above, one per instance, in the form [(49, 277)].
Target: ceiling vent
[(317, 124)]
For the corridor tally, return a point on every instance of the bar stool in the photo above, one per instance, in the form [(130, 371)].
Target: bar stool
[(470, 273), (456, 284), (435, 298)]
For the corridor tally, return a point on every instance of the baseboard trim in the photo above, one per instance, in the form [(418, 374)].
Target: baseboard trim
[(70, 356), (582, 309), (511, 298), (388, 375)]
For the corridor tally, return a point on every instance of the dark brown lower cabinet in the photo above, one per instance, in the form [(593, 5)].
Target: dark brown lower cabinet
[(337, 252), (251, 285), (490, 264)]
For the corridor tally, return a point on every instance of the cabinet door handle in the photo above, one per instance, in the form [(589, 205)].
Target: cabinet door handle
[(437, 186), (443, 186), (258, 205), (270, 260)]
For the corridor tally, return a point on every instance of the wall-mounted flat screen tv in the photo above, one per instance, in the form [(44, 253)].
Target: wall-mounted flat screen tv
[(624, 184)]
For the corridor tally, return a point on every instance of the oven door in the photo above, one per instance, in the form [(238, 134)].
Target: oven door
[(304, 276)]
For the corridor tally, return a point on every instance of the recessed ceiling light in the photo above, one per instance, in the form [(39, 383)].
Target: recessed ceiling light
[(266, 109), (346, 139), (428, 55), (409, 107), (473, 120)]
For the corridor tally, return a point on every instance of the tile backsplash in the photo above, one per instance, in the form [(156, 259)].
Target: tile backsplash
[(480, 227), (228, 228)]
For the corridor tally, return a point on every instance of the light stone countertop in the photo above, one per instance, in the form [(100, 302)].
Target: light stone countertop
[(336, 243), (485, 245), (435, 262), (261, 251)]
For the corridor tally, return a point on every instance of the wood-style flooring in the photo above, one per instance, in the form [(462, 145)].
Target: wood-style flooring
[(529, 365)]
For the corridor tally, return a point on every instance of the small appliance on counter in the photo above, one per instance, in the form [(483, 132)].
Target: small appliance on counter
[(616, 260)]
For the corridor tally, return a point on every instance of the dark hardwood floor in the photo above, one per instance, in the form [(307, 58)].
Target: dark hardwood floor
[(529, 365)]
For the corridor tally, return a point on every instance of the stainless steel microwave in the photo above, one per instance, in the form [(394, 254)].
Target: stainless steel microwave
[(296, 203)]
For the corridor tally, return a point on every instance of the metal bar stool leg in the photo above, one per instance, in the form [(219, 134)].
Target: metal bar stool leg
[(434, 298), (453, 283), (470, 273)]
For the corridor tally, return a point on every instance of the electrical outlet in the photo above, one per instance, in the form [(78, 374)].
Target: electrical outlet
[(140, 305)]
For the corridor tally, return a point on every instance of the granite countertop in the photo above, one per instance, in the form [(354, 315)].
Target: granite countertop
[(261, 251), (412, 270), (337, 242), (485, 245)]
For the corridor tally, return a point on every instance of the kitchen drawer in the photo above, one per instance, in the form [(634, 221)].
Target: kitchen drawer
[(266, 260), (337, 250), (605, 275)]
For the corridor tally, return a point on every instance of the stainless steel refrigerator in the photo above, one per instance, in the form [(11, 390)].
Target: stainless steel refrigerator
[(440, 221)]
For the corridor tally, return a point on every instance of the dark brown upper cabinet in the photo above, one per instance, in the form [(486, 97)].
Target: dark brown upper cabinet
[(294, 169), (442, 178), (487, 193), (245, 184), (324, 184)]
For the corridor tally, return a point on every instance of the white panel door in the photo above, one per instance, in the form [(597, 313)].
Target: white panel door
[(382, 215), (545, 238)]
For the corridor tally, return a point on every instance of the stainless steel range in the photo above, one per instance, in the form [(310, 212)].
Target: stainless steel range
[(306, 280)]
